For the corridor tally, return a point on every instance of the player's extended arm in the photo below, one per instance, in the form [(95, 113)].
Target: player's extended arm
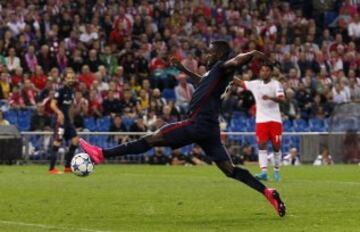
[(60, 115), (278, 99), (244, 58), (183, 69)]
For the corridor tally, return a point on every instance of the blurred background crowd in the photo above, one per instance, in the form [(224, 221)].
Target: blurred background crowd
[(120, 52)]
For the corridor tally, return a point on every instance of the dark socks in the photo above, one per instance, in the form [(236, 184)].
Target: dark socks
[(69, 155), (245, 176), (134, 147), (53, 157)]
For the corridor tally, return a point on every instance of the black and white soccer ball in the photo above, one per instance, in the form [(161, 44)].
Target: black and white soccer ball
[(81, 164)]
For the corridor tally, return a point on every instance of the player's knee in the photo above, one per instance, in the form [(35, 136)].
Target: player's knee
[(262, 146)]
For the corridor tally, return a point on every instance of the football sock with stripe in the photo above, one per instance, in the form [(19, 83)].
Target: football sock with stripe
[(245, 176), (134, 147)]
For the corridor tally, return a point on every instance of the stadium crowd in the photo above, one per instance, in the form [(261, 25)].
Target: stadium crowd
[(120, 51)]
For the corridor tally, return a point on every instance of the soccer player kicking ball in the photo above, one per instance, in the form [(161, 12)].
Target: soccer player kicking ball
[(268, 93), (202, 125)]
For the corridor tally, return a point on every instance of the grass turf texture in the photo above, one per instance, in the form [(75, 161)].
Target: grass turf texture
[(163, 198)]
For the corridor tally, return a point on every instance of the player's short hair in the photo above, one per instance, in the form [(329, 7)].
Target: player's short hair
[(269, 65), (222, 46)]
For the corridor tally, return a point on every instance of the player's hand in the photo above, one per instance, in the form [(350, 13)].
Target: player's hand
[(237, 81), (266, 97), (60, 118), (175, 62)]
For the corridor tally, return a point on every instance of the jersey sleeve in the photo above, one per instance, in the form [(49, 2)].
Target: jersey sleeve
[(279, 90), (250, 85)]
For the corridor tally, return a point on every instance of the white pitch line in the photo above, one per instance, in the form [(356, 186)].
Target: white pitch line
[(47, 226)]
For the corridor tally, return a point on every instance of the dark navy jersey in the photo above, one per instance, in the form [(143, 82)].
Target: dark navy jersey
[(206, 101), (65, 97)]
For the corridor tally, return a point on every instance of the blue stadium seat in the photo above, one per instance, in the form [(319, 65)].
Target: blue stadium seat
[(103, 124), (288, 126), (11, 116), (90, 123), (24, 124), (317, 125), (238, 115), (300, 125), (169, 94)]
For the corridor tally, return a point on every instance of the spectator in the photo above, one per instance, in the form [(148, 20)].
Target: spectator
[(198, 157), (93, 61), (354, 90), (247, 153), (80, 110), (183, 93), (159, 158), (95, 106), (46, 60), (16, 101), (157, 102), (89, 35), (111, 105), (39, 78), (177, 158), (354, 28), (12, 61), (17, 78), (324, 158), (40, 121), (29, 94), (4, 85), (87, 76), (31, 60), (118, 126), (292, 158), (109, 60)]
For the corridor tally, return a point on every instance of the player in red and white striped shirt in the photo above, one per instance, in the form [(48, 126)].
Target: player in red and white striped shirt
[(268, 93)]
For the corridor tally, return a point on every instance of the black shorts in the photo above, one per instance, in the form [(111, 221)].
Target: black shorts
[(206, 135), (66, 131)]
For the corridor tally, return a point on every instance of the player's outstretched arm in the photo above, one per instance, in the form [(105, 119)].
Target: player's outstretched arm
[(278, 99), (244, 58), (176, 63)]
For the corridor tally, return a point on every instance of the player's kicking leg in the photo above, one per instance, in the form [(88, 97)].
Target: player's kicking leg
[(139, 146), (173, 135)]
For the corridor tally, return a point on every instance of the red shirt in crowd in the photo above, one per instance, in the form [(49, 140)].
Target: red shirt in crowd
[(16, 80), (29, 94), (157, 63), (39, 81), (88, 79)]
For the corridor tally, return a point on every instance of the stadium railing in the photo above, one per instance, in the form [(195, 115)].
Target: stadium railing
[(309, 144)]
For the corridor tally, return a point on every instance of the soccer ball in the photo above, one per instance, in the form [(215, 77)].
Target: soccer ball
[(81, 165)]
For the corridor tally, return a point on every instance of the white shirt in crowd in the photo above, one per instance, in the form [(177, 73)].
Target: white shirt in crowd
[(354, 29), (88, 37), (341, 96), (266, 110)]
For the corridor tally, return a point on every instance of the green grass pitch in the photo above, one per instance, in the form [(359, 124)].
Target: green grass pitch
[(165, 198)]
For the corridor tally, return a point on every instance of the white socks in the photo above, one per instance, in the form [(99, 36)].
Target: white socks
[(263, 160), (277, 160)]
